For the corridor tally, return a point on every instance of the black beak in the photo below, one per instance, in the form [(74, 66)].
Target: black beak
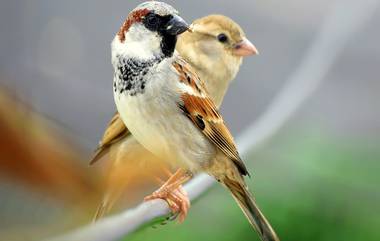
[(176, 26)]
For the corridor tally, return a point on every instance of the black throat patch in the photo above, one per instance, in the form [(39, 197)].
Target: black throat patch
[(130, 73)]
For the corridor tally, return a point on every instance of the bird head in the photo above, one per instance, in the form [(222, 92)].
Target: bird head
[(221, 35), (150, 29), (215, 48)]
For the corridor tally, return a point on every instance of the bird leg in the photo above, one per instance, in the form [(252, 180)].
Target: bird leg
[(174, 194)]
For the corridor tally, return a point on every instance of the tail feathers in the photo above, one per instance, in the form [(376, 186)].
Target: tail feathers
[(251, 210), (102, 209), (114, 190), (106, 204)]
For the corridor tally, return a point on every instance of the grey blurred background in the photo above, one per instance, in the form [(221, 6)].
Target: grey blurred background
[(56, 56)]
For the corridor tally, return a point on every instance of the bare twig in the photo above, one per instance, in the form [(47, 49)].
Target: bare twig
[(345, 19)]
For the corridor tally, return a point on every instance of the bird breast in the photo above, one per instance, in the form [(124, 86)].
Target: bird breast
[(157, 123)]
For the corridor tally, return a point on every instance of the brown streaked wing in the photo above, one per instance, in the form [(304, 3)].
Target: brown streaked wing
[(202, 111), (116, 130), (189, 77)]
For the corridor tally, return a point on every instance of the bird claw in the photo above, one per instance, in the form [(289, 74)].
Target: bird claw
[(177, 200)]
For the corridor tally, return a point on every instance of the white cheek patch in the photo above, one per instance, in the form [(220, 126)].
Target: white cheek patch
[(139, 43)]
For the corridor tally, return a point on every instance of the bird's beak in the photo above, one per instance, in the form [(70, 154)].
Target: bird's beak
[(245, 48), (176, 26)]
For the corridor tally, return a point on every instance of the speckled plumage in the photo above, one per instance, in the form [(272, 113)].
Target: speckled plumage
[(130, 73)]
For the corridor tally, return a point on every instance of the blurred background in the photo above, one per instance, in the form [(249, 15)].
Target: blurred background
[(316, 179)]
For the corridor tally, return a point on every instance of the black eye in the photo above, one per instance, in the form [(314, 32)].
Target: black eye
[(152, 21), (222, 38)]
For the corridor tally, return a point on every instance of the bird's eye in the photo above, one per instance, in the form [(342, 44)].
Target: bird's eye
[(152, 21), (222, 38)]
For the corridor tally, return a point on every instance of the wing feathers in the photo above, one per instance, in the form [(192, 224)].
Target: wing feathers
[(203, 113), (116, 130)]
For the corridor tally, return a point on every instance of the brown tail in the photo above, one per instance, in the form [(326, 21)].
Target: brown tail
[(112, 194), (250, 209), (103, 207)]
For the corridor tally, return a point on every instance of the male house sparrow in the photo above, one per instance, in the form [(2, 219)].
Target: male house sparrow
[(168, 110), (215, 49)]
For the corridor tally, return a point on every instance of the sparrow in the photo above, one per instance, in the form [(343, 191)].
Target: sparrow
[(216, 43), (166, 107)]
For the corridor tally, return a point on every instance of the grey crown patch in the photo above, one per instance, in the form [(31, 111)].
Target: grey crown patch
[(130, 75)]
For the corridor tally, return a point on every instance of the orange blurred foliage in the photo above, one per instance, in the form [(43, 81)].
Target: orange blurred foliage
[(35, 154)]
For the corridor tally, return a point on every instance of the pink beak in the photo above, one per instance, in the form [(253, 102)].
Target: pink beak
[(245, 48)]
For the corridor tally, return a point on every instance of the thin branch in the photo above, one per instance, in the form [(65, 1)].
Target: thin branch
[(345, 19)]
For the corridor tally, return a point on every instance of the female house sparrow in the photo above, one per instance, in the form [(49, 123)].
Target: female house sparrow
[(168, 110), (216, 43)]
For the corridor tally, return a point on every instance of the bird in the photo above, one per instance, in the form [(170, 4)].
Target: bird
[(166, 107), (216, 43)]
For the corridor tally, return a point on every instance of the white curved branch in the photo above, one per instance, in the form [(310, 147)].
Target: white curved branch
[(345, 19)]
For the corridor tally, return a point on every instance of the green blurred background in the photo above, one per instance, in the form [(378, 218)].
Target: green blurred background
[(311, 186)]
